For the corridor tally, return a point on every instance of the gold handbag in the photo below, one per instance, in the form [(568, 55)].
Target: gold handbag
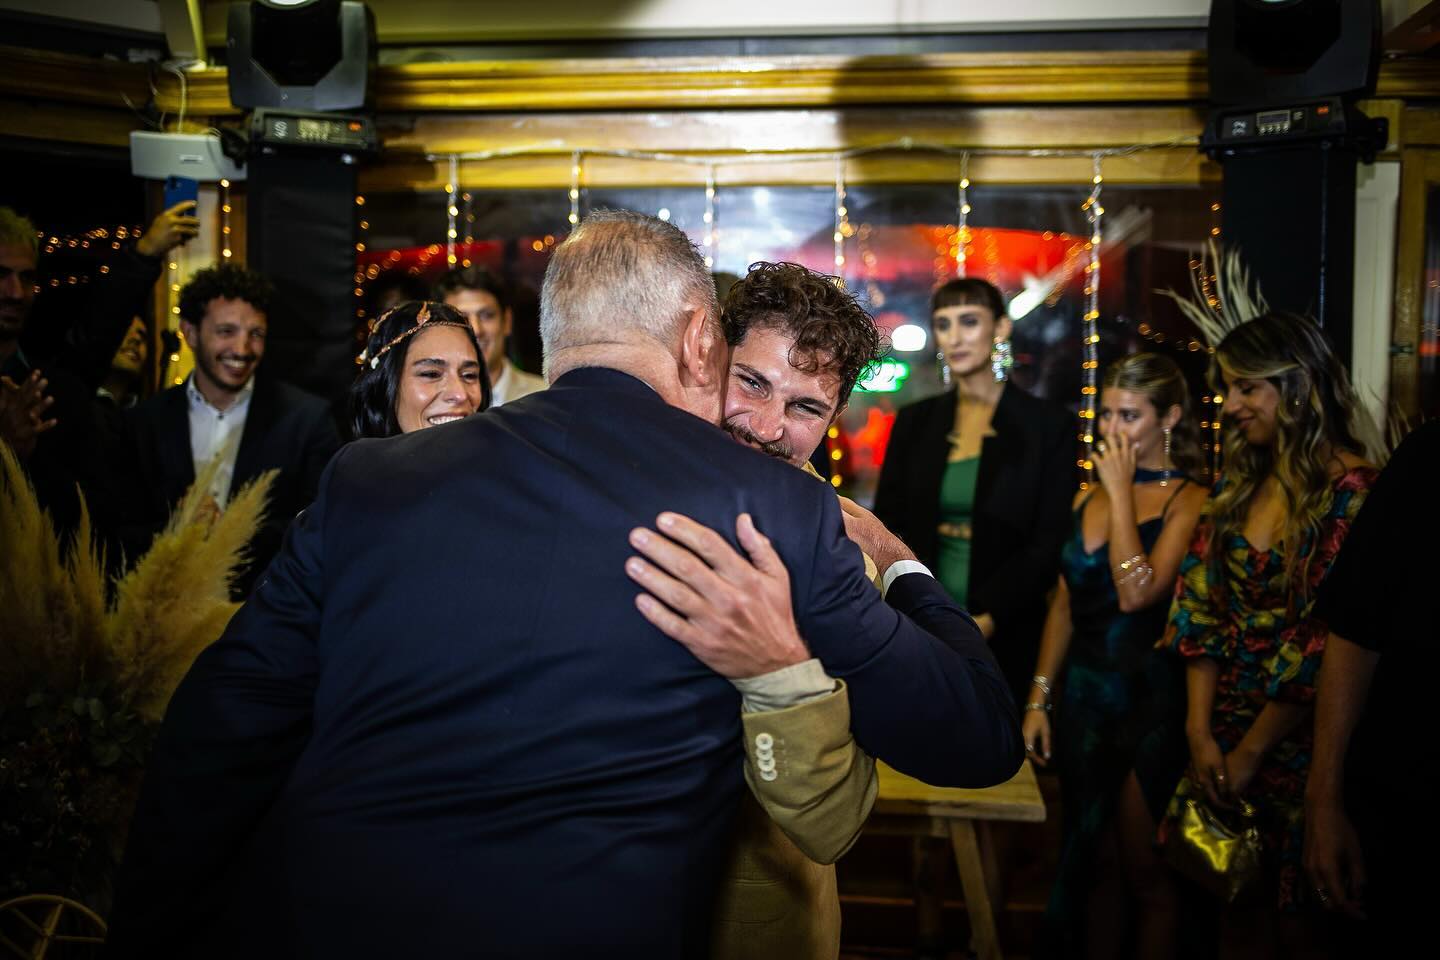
[(1222, 859)]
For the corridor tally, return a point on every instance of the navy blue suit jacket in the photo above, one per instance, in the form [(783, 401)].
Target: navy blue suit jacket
[(441, 723)]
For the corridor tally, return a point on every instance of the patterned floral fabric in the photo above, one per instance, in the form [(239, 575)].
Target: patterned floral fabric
[(1268, 648)]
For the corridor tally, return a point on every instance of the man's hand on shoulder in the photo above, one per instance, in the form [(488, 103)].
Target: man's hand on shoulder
[(732, 613), (871, 536)]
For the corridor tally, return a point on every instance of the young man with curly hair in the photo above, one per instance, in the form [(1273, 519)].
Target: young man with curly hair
[(224, 412), (798, 343)]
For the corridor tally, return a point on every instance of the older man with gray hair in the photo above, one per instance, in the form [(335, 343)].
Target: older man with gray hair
[(444, 716)]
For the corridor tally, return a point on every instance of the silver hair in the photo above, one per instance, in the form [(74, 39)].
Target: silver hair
[(621, 271)]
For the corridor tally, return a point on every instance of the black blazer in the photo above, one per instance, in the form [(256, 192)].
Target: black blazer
[(1027, 480), (440, 719), (285, 429)]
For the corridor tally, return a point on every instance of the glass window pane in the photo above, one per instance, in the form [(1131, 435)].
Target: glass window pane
[(1030, 241)]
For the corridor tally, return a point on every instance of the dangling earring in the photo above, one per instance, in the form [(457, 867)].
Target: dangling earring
[(1001, 361), (1165, 478), (944, 367)]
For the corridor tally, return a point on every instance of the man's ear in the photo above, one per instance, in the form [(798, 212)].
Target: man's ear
[(507, 321), (190, 333), (704, 354)]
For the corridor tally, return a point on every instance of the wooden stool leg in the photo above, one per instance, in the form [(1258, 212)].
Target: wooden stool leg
[(926, 864), (985, 942), (990, 860)]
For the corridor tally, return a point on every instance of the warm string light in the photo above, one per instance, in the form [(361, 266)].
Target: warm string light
[(836, 455), (576, 168), (225, 219), (962, 216), (362, 227), (711, 240), (56, 243), (1090, 328), (842, 218), (469, 230), (451, 211), (1218, 400), (874, 295), (173, 284)]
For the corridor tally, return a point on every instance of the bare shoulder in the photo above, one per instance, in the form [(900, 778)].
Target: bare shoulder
[(1082, 494), (1189, 501)]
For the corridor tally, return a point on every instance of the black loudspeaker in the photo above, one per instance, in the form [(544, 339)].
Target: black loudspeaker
[(1284, 77), (301, 54), (301, 227)]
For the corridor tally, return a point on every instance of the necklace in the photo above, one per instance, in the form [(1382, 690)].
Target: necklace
[(1145, 475)]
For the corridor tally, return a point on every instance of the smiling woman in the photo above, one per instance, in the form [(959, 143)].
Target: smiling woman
[(421, 367)]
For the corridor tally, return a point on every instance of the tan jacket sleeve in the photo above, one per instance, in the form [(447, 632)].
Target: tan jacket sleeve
[(805, 769)]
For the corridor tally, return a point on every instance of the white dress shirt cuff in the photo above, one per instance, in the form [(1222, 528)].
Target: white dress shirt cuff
[(784, 688), (898, 569)]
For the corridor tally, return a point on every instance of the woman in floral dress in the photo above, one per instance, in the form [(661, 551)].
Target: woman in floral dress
[(1295, 476)]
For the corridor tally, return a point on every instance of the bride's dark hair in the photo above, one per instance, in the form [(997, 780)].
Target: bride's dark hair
[(374, 392)]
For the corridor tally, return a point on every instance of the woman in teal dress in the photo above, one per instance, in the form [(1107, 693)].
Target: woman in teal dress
[(1295, 476), (1118, 736)]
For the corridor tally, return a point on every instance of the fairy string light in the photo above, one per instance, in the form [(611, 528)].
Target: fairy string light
[(710, 241), (469, 214), (842, 217), (451, 211), (225, 219), (362, 226), (576, 161), (962, 216), (1090, 328)]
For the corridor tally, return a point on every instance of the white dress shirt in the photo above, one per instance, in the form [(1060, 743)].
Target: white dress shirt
[(513, 383), (216, 434)]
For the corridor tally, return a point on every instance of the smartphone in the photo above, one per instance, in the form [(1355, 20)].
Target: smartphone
[(180, 189)]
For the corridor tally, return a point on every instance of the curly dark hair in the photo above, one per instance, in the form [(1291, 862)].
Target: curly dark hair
[(374, 392), (828, 327), (228, 280)]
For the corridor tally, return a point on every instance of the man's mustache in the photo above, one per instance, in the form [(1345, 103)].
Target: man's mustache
[(778, 449)]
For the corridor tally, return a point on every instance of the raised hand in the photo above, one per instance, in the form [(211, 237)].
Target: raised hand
[(169, 230), (1115, 464), (22, 412)]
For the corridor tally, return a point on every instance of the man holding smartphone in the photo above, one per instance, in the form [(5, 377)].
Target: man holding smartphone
[(49, 372)]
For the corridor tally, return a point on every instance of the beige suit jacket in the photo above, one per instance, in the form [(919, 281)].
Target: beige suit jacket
[(779, 899)]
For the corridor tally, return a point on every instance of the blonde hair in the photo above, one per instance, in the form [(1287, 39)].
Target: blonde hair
[(18, 231), (1159, 379), (1318, 414)]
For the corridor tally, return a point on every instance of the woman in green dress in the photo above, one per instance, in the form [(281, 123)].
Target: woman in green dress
[(1119, 730), (978, 479)]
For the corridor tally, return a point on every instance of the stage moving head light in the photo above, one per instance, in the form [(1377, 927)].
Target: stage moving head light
[(1277, 51), (300, 54)]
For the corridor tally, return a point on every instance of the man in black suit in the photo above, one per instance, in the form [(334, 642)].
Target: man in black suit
[(224, 411), (442, 723)]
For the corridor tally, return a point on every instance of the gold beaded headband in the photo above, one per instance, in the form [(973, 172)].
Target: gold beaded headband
[(421, 320)]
